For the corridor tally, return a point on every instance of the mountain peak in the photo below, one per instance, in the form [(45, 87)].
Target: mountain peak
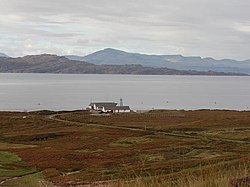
[(112, 51), (108, 49)]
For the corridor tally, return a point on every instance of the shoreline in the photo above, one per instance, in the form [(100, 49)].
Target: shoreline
[(132, 111), (181, 75)]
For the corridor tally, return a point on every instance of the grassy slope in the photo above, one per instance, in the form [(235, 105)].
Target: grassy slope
[(179, 146), (32, 180), (8, 158)]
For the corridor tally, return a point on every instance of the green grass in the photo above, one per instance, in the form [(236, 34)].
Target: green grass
[(15, 172), (8, 158), (33, 180), (7, 170)]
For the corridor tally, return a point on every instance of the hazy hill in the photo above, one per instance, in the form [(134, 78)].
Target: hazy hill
[(3, 55), (56, 64), (113, 56), (41, 64), (179, 62)]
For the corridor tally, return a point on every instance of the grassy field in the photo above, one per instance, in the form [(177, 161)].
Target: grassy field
[(157, 148)]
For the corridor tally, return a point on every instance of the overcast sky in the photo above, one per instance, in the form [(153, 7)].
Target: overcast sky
[(216, 28)]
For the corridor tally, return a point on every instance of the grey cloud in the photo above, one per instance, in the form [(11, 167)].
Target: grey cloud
[(217, 28)]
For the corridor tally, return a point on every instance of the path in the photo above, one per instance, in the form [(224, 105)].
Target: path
[(152, 131), (17, 177)]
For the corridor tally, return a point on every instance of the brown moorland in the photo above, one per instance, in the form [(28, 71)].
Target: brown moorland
[(159, 148)]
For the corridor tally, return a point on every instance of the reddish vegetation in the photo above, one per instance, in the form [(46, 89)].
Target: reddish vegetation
[(73, 153)]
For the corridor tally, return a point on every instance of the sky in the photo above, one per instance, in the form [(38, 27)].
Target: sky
[(207, 28)]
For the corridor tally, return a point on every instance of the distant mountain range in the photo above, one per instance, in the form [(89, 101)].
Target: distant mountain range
[(178, 62), (58, 64)]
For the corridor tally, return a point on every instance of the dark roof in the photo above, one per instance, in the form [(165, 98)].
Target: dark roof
[(117, 108), (107, 104)]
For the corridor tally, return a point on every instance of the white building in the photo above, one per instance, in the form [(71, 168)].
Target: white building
[(108, 107)]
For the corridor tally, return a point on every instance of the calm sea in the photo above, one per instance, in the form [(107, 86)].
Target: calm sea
[(20, 92)]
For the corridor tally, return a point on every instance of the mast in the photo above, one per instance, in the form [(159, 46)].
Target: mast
[(121, 102)]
